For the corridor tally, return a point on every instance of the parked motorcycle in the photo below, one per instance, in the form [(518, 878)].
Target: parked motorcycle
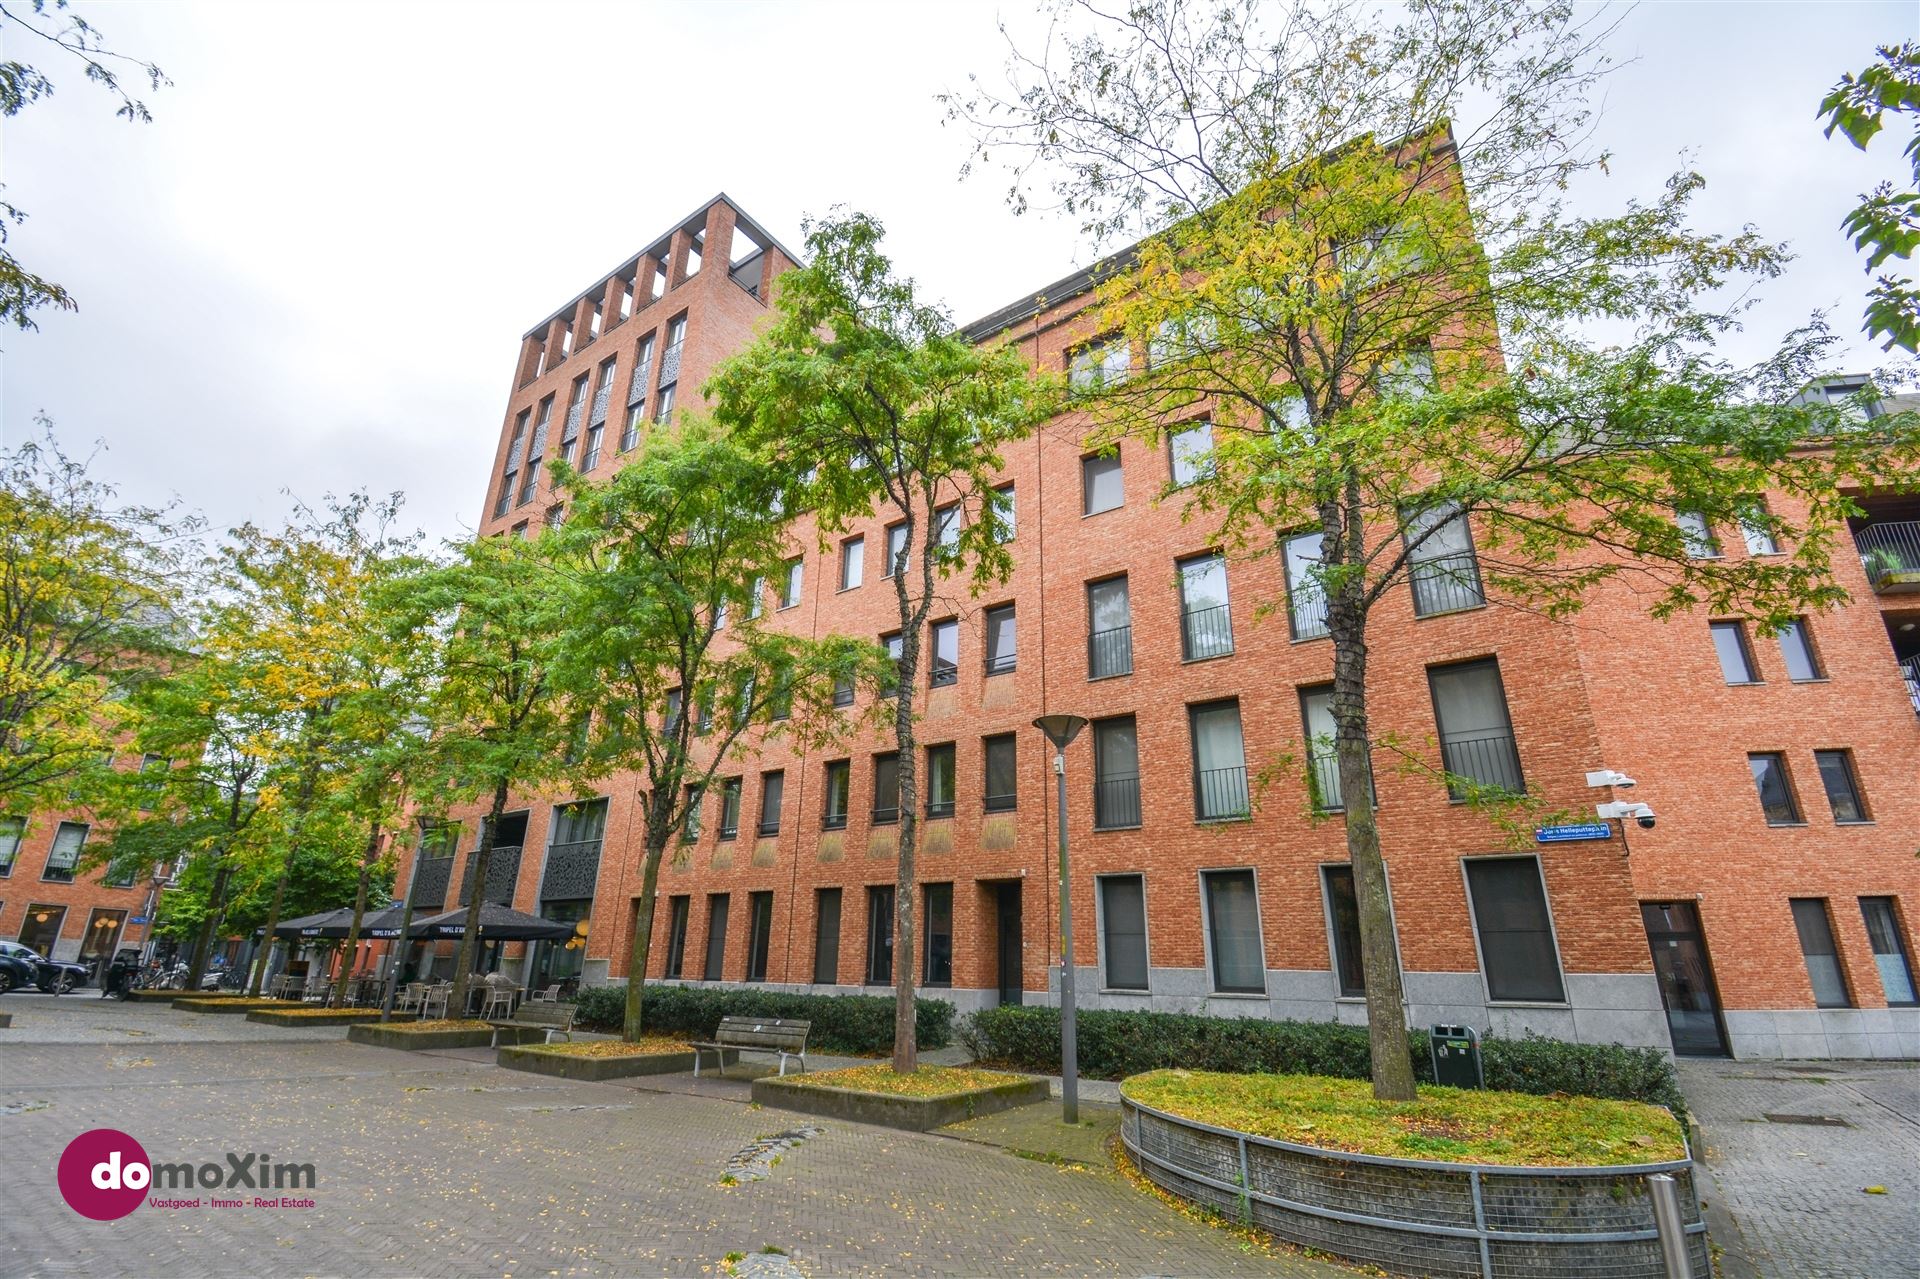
[(123, 976)]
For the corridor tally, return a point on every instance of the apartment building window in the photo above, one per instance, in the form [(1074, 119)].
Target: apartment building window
[(674, 702), (1123, 932), (896, 550), (945, 666), (637, 393), (556, 515), (1000, 640), (510, 473), (1754, 530), (1889, 951), (759, 934), (1099, 364), (1476, 735), (1116, 774), (1323, 763), (940, 780), (1233, 932), (1441, 565), (1696, 535), (1343, 920), (1306, 595), (1206, 622), (791, 583), (1101, 486), (853, 561), (895, 648), (1190, 453), (1796, 651), (757, 602), (536, 452), (1004, 507), (1219, 762), (663, 405), (715, 969), (937, 923), (1842, 785), (1775, 787), (678, 909), (946, 527), (773, 791), (68, 840), (1811, 921), (1109, 629), (880, 935), (1002, 790), (730, 808), (839, 791), (1736, 659), (886, 789), (690, 824), (1517, 952), (826, 936), (597, 420), (843, 692), (12, 831), (576, 409)]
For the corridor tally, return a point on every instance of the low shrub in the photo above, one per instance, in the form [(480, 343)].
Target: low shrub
[(1114, 1045), (841, 1023)]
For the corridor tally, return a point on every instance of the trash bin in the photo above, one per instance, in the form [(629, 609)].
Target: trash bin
[(1456, 1056)]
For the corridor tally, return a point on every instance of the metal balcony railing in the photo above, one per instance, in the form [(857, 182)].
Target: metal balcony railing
[(1206, 632), (1307, 612), (1489, 757), (884, 815), (1000, 663), (1116, 803), (592, 458), (1889, 549), (1002, 803), (1910, 669), (1110, 652), (1220, 794), (939, 808), (600, 398), (769, 825), (944, 673), (637, 389), (834, 821), (729, 828), (1446, 584), (670, 364)]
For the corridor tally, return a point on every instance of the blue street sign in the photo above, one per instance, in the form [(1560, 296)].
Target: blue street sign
[(1568, 834), (139, 919)]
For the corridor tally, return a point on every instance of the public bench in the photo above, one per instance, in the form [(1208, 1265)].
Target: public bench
[(782, 1035), (555, 1019)]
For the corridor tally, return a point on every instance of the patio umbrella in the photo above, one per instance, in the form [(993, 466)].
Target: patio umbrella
[(320, 925), (497, 923)]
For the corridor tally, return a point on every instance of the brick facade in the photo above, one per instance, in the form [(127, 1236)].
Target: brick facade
[(1609, 689)]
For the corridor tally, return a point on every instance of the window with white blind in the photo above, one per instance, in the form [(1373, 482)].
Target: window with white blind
[(1233, 932)]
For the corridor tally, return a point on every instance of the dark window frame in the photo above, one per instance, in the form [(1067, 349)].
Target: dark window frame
[(759, 934), (718, 911), (950, 753), (1087, 479), (1820, 911), (822, 950), (1850, 774), (1795, 814), (1107, 947), (1481, 929), (1738, 630), (878, 970), (991, 801), (679, 912), (932, 961), (1212, 935), (830, 820)]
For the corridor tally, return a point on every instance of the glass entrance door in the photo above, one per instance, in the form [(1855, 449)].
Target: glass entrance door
[(1686, 978)]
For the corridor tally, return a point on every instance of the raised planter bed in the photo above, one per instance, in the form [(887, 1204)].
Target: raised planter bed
[(159, 996), (542, 1059), (1418, 1217), (6, 1020), (402, 1034), (233, 1006), (813, 1095), (315, 1017)]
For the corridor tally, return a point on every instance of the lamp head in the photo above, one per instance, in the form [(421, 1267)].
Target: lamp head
[(1060, 729)]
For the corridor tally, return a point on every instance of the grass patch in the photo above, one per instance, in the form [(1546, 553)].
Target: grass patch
[(1452, 1125), (282, 1010), (927, 1081), (438, 1023), (649, 1046)]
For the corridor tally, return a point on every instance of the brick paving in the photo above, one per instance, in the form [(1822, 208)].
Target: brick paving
[(443, 1164), (1796, 1191)]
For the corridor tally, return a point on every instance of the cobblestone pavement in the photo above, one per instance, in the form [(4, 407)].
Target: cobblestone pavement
[(441, 1164), (1796, 1191)]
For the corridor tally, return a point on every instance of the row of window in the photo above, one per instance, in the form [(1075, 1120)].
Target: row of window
[(1779, 800), (1812, 920), (1737, 666), (69, 839), (936, 958)]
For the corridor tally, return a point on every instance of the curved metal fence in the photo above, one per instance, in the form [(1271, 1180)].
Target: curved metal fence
[(1418, 1217)]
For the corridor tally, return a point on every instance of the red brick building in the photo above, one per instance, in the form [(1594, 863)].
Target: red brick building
[(1767, 912), (49, 904)]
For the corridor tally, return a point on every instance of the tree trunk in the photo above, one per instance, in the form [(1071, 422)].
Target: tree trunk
[(273, 922), (1386, 1005), (216, 898), (476, 899), (359, 906), (906, 1048), (641, 951)]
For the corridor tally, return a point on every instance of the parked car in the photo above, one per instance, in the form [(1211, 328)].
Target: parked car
[(49, 975), (18, 970)]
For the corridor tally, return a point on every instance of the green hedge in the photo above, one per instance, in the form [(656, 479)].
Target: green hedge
[(1113, 1045), (841, 1023)]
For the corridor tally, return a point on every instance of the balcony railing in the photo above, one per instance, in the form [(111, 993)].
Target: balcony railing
[(1110, 653), (637, 389), (769, 825), (1116, 803), (600, 397), (1220, 794), (1490, 758), (1307, 612), (1910, 669), (939, 808), (1890, 552), (1206, 632), (1446, 584), (1000, 663), (944, 673), (885, 815), (729, 828), (834, 821), (670, 364), (1001, 803)]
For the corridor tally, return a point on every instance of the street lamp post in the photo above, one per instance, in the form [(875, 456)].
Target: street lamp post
[(1061, 730)]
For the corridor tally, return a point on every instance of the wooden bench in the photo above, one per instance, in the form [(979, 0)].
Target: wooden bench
[(781, 1035), (555, 1019)]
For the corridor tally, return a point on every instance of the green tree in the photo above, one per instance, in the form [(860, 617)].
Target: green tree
[(1886, 223), (90, 601), (49, 23), (863, 392), (1389, 325), (668, 560), (490, 712)]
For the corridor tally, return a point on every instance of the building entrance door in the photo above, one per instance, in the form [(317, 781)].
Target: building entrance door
[(1686, 978), (1007, 941)]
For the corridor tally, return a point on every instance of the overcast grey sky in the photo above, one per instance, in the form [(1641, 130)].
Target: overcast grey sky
[(313, 269)]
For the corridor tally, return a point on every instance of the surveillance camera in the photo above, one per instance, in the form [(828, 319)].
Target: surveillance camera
[(1640, 813), (1645, 820), (1608, 777)]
